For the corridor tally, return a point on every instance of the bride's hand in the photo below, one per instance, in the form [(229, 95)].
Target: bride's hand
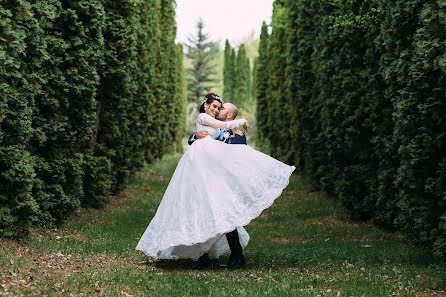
[(246, 126), (201, 134)]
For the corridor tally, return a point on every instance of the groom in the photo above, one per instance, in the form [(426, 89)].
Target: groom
[(228, 112)]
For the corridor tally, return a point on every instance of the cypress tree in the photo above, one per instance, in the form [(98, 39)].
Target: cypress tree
[(414, 41), (242, 78), (118, 89), (153, 131), (64, 114), (232, 63), (199, 51), (254, 79), (168, 94), (18, 208), (367, 106), (228, 73), (180, 102), (262, 106), (279, 115), (79, 106)]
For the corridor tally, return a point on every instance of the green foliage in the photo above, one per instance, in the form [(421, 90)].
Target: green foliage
[(18, 208), (254, 79), (360, 107), (97, 182), (236, 76), (416, 72), (228, 73), (242, 78), (262, 80), (200, 74), (180, 102), (77, 84), (277, 94), (118, 89)]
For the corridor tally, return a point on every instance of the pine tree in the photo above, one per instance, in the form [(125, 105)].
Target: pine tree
[(199, 51)]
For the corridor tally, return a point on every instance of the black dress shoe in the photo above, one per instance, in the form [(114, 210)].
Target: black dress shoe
[(200, 266), (202, 262), (236, 262)]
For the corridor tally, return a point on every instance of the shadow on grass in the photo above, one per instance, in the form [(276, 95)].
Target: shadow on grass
[(187, 265)]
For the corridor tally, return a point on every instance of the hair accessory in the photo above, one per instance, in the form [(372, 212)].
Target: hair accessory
[(214, 97)]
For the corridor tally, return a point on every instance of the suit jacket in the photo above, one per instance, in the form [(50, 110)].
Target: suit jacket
[(232, 139)]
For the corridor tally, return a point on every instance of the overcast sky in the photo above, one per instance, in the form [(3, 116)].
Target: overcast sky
[(232, 19)]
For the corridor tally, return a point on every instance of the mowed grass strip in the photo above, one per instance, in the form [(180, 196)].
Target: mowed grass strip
[(303, 245)]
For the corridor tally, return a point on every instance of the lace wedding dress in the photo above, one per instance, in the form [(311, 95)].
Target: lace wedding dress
[(215, 188)]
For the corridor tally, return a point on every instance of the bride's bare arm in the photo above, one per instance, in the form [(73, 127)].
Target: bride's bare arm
[(210, 121)]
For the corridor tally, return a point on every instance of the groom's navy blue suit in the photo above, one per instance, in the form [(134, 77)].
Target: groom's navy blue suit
[(236, 258)]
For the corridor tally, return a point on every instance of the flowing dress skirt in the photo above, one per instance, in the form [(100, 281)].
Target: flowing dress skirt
[(215, 188)]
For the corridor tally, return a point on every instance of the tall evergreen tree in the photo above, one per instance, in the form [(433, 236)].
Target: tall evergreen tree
[(228, 73), (232, 60), (179, 123), (254, 79), (279, 115), (262, 78), (242, 77), (199, 51), (170, 70)]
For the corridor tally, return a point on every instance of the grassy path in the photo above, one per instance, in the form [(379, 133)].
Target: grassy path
[(301, 246)]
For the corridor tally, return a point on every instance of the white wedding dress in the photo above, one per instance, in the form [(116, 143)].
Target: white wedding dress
[(215, 188)]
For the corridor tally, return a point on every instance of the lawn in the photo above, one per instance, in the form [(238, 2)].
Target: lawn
[(304, 245)]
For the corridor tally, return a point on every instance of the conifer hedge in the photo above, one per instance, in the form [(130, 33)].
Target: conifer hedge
[(361, 106), (236, 75), (77, 82)]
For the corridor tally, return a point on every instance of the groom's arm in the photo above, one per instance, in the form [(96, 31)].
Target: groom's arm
[(191, 139), (198, 135)]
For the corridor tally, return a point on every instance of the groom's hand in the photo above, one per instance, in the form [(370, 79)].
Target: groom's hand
[(201, 134)]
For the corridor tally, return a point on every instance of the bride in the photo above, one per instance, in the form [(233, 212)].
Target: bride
[(215, 189)]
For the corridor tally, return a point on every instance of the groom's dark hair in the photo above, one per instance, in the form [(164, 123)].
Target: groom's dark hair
[(209, 98)]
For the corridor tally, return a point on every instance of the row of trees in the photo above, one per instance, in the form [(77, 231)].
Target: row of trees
[(236, 75), (90, 90), (353, 92)]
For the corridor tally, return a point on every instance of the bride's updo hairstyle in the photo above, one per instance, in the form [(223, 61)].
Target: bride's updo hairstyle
[(209, 98)]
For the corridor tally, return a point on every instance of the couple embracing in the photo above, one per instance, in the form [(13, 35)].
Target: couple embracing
[(220, 185)]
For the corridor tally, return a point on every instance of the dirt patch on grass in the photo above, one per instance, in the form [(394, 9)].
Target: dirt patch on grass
[(122, 201), (25, 270), (334, 220), (61, 234), (375, 233), (151, 175), (284, 240), (89, 215)]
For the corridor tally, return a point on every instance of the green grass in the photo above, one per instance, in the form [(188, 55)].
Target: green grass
[(302, 246)]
